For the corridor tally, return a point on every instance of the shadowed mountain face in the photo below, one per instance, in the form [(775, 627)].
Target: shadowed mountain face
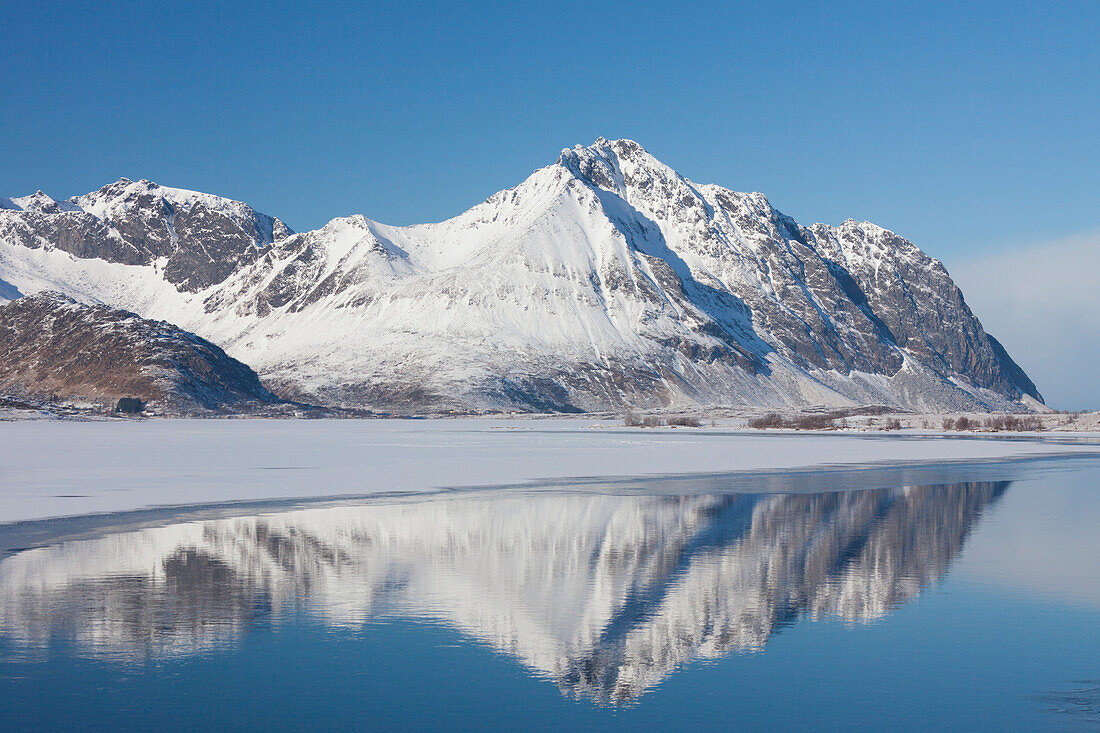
[(53, 347), (605, 279), (604, 595)]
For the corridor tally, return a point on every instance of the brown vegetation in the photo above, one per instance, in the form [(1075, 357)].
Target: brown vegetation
[(818, 420), (999, 423)]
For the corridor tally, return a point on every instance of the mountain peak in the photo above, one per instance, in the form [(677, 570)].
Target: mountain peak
[(604, 148), (38, 202), (602, 162), (115, 199)]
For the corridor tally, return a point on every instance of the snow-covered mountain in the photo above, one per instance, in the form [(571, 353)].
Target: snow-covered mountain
[(605, 279), (605, 595)]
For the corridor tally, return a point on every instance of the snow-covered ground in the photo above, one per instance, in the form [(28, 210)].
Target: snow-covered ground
[(59, 468)]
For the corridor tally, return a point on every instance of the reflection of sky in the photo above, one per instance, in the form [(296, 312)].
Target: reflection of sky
[(1045, 539)]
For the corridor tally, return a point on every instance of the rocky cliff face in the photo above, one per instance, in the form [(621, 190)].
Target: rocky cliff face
[(53, 347), (604, 280), (196, 240)]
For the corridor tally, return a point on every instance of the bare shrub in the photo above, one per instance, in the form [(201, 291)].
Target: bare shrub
[(767, 420), (813, 422), (632, 419), (685, 421), (1032, 423), (949, 423), (1014, 423), (819, 421)]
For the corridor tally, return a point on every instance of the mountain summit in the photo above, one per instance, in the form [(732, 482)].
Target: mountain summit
[(604, 280)]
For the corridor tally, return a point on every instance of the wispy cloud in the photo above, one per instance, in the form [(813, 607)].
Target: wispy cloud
[(1043, 303)]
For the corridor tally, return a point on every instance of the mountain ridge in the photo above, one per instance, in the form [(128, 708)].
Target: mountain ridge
[(603, 280)]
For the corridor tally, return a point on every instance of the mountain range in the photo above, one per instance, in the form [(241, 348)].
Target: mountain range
[(605, 280)]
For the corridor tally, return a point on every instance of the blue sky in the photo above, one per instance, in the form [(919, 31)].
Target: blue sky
[(960, 125), (970, 128)]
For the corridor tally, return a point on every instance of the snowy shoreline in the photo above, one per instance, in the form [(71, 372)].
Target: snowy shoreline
[(866, 418), (59, 469)]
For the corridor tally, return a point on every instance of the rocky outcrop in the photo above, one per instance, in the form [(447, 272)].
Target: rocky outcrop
[(52, 347), (196, 239)]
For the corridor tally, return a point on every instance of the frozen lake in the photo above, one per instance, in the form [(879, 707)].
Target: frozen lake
[(54, 469), (953, 595)]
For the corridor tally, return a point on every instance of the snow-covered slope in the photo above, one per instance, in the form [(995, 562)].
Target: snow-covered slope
[(605, 279), (605, 595)]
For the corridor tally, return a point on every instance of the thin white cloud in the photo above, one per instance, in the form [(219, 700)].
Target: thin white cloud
[(1043, 303)]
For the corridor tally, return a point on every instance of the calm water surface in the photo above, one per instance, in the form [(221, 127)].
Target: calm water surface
[(950, 605)]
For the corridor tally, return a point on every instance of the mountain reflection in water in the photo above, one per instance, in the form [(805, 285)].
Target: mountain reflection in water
[(605, 595)]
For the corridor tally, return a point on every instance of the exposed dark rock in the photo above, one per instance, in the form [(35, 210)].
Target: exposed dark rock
[(202, 238), (52, 347), (130, 406)]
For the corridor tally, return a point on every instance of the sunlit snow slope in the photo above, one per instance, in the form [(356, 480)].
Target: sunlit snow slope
[(603, 280)]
